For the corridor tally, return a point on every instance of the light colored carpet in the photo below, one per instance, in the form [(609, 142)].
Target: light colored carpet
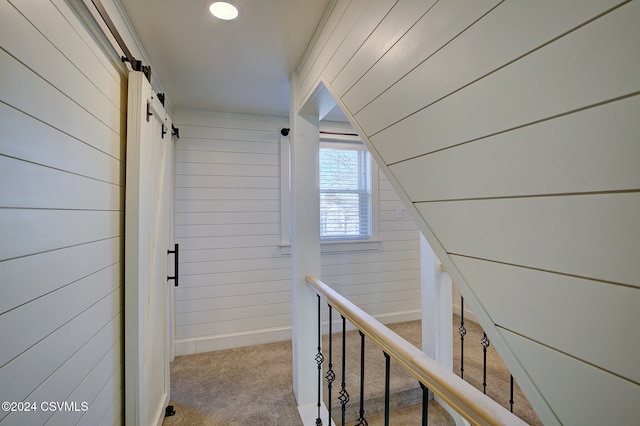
[(253, 385), (243, 386)]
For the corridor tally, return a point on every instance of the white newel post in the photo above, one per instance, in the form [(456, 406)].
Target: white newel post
[(436, 308), (305, 251), (437, 321), (437, 313)]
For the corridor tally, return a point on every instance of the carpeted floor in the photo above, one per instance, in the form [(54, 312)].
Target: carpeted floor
[(252, 385), (497, 373), (243, 386)]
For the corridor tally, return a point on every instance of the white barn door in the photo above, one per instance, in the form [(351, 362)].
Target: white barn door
[(146, 240)]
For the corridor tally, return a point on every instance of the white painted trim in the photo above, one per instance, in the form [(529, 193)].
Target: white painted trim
[(436, 289), (231, 340), (285, 194), (337, 245), (305, 245), (399, 316), (277, 334), (183, 115)]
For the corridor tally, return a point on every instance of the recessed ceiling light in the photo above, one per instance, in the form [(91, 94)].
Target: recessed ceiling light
[(224, 10)]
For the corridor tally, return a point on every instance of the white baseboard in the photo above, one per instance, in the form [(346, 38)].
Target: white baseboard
[(401, 316), (258, 337), (386, 318), (228, 341)]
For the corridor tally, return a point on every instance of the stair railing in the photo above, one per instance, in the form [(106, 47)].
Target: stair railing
[(462, 397), (484, 343)]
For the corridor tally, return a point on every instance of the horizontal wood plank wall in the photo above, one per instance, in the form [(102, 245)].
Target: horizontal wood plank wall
[(63, 121), (511, 130), (235, 284)]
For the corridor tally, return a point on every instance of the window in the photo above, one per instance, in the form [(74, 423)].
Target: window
[(348, 193), (345, 191)]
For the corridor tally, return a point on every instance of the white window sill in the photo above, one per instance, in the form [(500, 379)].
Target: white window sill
[(339, 246)]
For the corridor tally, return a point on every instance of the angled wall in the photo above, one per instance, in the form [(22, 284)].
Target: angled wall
[(510, 130)]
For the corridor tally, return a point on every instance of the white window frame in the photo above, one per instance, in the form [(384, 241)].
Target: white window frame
[(341, 143), (327, 245)]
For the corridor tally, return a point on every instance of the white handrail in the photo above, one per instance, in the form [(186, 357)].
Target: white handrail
[(468, 401)]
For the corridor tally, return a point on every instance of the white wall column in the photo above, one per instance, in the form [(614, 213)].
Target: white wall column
[(437, 314), (437, 325), (305, 250)]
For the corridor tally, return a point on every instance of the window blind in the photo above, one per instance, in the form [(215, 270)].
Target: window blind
[(345, 192)]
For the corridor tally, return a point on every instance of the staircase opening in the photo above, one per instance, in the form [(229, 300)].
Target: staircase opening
[(477, 362)]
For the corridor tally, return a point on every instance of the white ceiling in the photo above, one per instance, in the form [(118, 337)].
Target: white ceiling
[(241, 66)]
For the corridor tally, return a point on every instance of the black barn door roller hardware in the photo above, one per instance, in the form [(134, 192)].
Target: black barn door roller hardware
[(136, 64)]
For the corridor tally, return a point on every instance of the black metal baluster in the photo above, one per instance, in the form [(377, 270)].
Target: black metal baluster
[(485, 344), (387, 371), (462, 331), (425, 405), (330, 376), (361, 420), (344, 395), (511, 395), (319, 360)]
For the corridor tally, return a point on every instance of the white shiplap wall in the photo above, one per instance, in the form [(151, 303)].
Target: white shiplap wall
[(510, 129), (62, 139), (235, 285)]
